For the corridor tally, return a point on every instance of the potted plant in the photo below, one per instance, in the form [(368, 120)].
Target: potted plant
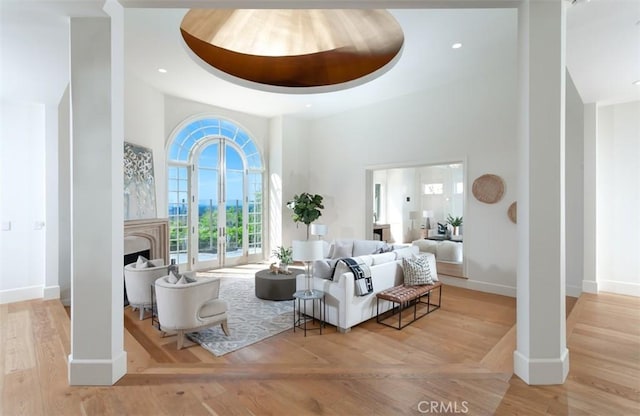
[(456, 223), (306, 208), (285, 256)]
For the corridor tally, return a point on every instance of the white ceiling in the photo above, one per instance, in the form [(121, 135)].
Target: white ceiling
[(603, 56)]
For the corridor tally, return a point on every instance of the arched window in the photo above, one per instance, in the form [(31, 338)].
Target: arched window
[(215, 194)]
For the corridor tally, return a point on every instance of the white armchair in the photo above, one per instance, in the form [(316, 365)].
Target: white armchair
[(138, 283), (189, 307)]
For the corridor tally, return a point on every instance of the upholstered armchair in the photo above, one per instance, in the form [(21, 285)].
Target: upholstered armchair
[(189, 307), (138, 283)]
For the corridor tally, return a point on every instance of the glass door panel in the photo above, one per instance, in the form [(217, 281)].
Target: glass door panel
[(207, 219), (178, 201), (207, 215), (234, 192)]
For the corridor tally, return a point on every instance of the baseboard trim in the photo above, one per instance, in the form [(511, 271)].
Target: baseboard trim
[(20, 294), (541, 371), (573, 291), (494, 288), (96, 372), (51, 292), (620, 288), (590, 286)]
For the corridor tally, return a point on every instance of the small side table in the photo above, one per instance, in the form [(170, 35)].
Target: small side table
[(300, 320)]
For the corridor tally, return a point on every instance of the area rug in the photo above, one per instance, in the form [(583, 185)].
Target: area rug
[(250, 319)]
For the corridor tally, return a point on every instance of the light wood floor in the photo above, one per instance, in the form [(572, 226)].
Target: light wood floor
[(457, 358)]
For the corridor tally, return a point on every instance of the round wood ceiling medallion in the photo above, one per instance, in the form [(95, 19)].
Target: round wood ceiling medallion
[(488, 188), (295, 48), (512, 212)]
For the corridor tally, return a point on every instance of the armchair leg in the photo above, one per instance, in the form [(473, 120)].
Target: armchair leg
[(180, 339), (225, 327)]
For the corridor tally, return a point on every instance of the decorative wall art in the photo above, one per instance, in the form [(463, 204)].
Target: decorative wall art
[(139, 183), (512, 212), (488, 188)]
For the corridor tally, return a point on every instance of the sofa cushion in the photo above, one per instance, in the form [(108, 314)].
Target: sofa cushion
[(416, 271), (362, 247), (342, 248), (406, 252), (383, 258)]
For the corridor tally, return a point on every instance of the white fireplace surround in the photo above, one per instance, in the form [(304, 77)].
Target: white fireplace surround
[(149, 234)]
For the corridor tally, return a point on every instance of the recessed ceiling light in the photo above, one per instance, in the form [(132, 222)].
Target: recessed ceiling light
[(457, 45), (162, 70), (308, 105), (636, 82)]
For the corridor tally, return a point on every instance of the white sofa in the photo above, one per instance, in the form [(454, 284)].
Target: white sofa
[(344, 308)]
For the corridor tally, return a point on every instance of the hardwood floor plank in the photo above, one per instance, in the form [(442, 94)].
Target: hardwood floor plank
[(460, 353)]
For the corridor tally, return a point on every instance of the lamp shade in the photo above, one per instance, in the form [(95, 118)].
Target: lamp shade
[(307, 250), (427, 214), (319, 229), (413, 215)]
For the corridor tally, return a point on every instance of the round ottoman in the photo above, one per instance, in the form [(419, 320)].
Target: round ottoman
[(276, 286)]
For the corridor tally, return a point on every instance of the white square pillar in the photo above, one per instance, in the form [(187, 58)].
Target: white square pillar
[(541, 356), (97, 329)]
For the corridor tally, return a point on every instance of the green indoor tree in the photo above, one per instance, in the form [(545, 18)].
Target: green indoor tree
[(306, 208)]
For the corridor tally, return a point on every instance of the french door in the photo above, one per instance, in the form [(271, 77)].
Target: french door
[(218, 232)]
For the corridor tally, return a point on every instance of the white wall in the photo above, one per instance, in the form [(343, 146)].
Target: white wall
[(296, 177), (64, 198), (472, 121), (143, 125), (618, 198), (22, 201), (574, 190)]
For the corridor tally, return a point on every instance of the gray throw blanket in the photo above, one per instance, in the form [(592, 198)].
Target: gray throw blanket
[(361, 273)]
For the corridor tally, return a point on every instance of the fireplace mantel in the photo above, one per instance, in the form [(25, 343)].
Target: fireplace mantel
[(156, 231)]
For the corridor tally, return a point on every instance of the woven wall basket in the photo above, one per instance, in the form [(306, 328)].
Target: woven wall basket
[(512, 212), (488, 188)]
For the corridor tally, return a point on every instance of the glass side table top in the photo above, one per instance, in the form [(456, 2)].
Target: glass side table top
[(302, 294)]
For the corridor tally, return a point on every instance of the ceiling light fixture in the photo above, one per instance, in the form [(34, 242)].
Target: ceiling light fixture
[(636, 82), (456, 45), (294, 48), (162, 70)]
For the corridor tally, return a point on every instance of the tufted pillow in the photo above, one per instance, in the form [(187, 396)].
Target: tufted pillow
[(416, 271)]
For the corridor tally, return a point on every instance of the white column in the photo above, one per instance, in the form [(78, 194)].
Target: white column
[(97, 330), (589, 282), (51, 284), (541, 356)]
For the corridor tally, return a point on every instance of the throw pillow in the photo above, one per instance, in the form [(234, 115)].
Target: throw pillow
[(442, 228), (322, 269), (142, 263), (342, 248), (416, 271), (427, 256), (172, 279)]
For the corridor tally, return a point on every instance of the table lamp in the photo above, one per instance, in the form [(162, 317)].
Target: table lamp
[(319, 229), (307, 251)]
